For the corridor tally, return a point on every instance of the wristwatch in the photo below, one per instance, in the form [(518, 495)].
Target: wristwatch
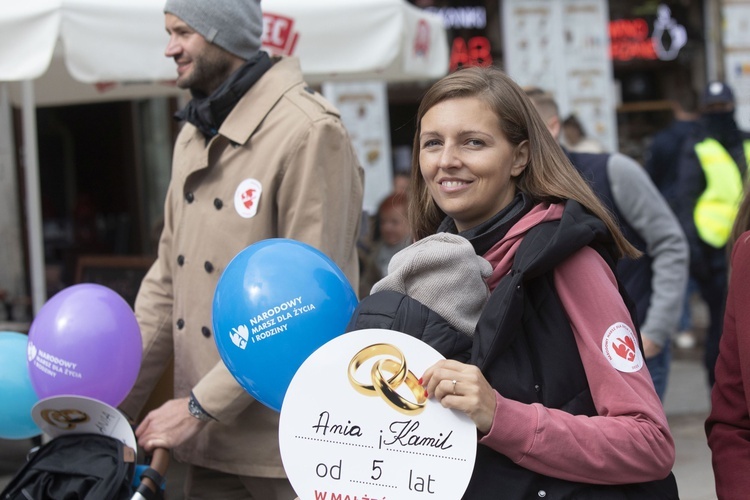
[(197, 411)]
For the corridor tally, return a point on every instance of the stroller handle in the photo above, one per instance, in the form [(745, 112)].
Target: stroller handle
[(159, 463), (160, 460)]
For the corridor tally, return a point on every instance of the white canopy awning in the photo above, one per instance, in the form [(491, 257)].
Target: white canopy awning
[(114, 49), (124, 40), (387, 40)]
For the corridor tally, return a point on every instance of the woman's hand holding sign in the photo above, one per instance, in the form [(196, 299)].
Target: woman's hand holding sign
[(462, 387)]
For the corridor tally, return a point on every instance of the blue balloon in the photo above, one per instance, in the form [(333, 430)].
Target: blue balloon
[(16, 392), (277, 301)]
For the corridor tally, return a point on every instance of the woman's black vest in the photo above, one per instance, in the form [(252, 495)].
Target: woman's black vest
[(525, 347)]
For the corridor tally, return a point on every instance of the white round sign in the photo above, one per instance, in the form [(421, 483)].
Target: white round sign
[(71, 414), (355, 424)]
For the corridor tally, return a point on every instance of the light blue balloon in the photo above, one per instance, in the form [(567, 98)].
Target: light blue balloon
[(276, 302), (16, 392)]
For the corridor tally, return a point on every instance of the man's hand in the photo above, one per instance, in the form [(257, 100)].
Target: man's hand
[(650, 349), (168, 426)]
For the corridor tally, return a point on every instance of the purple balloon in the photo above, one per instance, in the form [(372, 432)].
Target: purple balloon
[(85, 341)]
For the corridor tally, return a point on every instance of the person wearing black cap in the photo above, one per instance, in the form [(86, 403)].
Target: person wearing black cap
[(261, 155), (712, 167)]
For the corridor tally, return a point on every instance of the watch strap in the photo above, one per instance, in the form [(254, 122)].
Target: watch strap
[(197, 411)]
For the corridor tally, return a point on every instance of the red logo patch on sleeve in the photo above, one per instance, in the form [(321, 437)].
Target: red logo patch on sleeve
[(620, 347)]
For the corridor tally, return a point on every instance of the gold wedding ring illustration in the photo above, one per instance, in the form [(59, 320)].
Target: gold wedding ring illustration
[(386, 387), (64, 419), (370, 352)]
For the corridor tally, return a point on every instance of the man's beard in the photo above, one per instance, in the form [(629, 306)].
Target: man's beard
[(209, 71)]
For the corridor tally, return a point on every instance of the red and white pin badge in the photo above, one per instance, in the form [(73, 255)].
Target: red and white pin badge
[(247, 198)]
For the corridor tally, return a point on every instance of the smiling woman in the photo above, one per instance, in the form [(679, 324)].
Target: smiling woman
[(460, 132), (486, 168)]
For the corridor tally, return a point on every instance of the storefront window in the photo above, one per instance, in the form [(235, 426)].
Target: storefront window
[(656, 48)]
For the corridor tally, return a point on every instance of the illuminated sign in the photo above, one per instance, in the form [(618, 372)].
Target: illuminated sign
[(472, 52), (633, 39), (466, 50), (461, 17), (629, 39), (666, 24)]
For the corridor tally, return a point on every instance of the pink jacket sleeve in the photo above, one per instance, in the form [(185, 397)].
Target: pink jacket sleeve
[(629, 440), (728, 425)]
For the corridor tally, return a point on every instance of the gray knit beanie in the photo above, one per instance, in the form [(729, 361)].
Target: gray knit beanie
[(234, 25), (443, 272)]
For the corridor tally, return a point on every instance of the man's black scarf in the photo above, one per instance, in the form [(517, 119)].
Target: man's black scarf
[(208, 112)]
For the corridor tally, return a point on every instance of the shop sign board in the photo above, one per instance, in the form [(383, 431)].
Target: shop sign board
[(364, 112), (563, 47)]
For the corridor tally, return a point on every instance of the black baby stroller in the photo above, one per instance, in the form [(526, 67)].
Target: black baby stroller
[(90, 467), (92, 456)]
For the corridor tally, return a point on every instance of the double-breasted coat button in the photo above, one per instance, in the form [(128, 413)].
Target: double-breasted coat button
[(206, 332), (218, 203), (180, 324), (189, 197), (541, 493), (208, 267), (180, 260)]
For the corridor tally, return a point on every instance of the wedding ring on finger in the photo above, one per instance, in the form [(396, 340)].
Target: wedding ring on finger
[(454, 382)]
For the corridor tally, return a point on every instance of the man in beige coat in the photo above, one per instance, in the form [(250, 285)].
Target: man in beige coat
[(261, 156)]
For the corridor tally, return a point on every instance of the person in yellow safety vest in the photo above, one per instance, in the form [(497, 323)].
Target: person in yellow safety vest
[(717, 206), (712, 169)]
